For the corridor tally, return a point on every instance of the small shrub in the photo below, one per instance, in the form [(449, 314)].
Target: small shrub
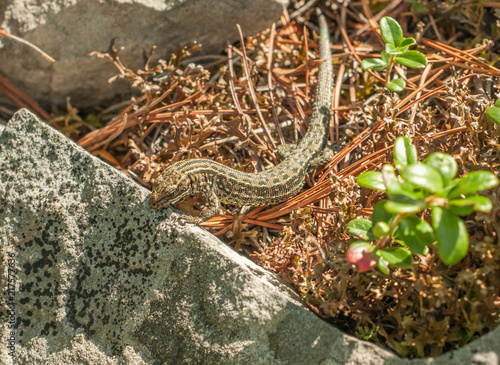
[(420, 186), (396, 50)]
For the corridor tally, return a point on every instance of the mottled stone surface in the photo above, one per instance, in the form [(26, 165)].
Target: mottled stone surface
[(103, 279), (69, 29)]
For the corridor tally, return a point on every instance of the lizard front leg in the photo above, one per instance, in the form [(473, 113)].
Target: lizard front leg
[(211, 209), (212, 206)]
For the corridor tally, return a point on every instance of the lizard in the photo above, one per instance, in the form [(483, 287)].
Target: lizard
[(220, 183)]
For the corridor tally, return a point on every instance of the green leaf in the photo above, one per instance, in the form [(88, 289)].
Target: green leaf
[(383, 266), (381, 229), (497, 103), (451, 234), (397, 256), (419, 8), (360, 228), (478, 202), (494, 113), (392, 49), (391, 181), (380, 214), (374, 64), (385, 57), (396, 85), (423, 176), (416, 233), (391, 31), (395, 186), (472, 183), (449, 187), (403, 204), (407, 42), (461, 210), (371, 180), (405, 153), (412, 59), (403, 243), (444, 164)]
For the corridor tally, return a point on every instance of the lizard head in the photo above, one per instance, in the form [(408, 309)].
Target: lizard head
[(169, 188)]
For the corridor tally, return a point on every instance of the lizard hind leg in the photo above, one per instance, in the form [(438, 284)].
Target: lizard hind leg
[(286, 150), (325, 157)]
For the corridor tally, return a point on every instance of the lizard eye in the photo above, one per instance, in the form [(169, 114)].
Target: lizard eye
[(169, 188)]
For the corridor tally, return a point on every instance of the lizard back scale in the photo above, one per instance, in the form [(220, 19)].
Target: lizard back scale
[(220, 183)]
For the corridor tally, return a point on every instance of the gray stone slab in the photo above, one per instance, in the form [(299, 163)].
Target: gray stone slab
[(100, 278), (69, 29)]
